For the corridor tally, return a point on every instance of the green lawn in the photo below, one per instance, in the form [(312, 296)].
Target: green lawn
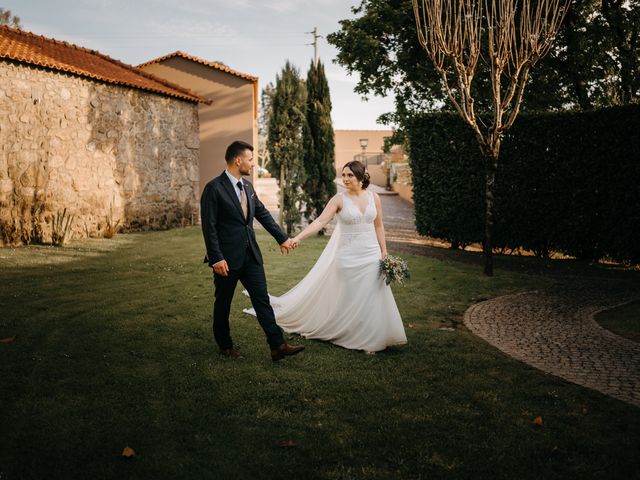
[(623, 320), (114, 348)]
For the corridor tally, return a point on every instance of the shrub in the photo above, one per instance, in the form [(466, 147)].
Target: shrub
[(567, 182)]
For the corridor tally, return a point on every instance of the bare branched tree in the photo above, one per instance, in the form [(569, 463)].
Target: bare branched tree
[(511, 36)]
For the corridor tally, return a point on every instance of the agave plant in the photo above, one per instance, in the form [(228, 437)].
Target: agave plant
[(60, 227)]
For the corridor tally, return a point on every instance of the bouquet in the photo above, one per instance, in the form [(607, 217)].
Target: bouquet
[(394, 269)]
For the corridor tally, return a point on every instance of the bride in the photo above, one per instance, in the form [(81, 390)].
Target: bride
[(343, 299)]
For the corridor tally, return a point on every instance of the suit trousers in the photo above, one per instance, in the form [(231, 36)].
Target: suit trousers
[(252, 277)]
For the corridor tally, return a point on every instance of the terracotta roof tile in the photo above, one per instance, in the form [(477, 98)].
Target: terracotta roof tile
[(215, 65), (26, 47)]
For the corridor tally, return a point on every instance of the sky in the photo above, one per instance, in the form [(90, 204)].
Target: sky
[(252, 36)]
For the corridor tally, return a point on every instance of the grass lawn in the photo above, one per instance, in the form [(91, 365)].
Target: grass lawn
[(114, 348), (623, 320)]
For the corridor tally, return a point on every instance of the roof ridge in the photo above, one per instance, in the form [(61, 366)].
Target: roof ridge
[(209, 63), (137, 71), (19, 31)]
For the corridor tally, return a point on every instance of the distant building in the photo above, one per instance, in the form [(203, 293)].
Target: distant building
[(232, 115), (348, 145), (385, 169), (84, 132)]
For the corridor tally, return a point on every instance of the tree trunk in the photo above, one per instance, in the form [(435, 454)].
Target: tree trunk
[(491, 168), (612, 11), (573, 68), (281, 212)]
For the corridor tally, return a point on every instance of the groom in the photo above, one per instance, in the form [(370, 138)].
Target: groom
[(228, 206)]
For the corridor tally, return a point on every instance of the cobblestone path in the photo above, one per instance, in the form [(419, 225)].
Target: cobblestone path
[(554, 331)]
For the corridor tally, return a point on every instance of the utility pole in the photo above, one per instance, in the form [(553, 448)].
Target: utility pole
[(315, 44)]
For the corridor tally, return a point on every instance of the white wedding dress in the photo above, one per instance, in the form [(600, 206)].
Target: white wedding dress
[(343, 299)]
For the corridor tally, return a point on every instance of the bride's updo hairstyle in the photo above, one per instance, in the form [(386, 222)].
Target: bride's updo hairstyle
[(358, 170)]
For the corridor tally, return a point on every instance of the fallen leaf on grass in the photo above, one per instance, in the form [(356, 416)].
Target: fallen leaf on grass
[(537, 422), (286, 443), (128, 452), (8, 339)]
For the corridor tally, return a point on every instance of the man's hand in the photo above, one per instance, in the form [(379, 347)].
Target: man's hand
[(286, 247), (221, 268)]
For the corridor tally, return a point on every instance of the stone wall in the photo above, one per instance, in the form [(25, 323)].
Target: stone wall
[(105, 153)]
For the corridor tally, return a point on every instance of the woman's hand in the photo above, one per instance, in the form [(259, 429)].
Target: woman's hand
[(295, 241)]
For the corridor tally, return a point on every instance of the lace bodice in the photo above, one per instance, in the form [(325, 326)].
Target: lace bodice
[(352, 219)]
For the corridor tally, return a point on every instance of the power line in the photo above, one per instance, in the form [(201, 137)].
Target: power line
[(315, 44)]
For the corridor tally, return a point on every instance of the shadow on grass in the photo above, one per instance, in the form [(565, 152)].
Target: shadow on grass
[(523, 264), (623, 320)]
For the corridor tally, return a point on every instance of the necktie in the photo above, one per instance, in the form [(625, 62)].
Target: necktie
[(243, 199)]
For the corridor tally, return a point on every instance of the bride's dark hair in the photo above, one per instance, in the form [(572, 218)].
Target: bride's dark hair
[(359, 171)]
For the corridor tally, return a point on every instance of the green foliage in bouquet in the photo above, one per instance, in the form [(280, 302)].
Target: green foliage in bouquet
[(394, 269)]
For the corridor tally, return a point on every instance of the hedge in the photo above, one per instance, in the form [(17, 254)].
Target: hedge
[(567, 182)]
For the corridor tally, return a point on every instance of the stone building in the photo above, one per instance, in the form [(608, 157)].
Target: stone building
[(232, 115), (83, 132)]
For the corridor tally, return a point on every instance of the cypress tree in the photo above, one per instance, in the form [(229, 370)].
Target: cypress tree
[(319, 144), (285, 143)]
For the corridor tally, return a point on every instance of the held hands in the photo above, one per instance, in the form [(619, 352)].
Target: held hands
[(285, 247), (288, 246)]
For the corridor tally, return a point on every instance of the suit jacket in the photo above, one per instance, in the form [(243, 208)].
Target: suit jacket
[(227, 234)]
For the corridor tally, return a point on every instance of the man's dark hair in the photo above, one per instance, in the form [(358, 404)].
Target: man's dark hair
[(236, 149)]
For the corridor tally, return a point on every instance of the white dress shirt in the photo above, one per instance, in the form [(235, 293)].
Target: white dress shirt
[(235, 181)]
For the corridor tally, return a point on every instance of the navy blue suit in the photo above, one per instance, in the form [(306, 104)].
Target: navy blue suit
[(229, 236)]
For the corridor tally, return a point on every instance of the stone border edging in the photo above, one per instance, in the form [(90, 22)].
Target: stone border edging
[(560, 336)]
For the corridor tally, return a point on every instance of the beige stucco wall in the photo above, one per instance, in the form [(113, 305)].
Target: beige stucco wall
[(348, 144), (231, 116), (95, 149)]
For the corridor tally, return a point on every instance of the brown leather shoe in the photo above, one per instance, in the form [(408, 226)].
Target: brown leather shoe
[(285, 350), (230, 353)]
